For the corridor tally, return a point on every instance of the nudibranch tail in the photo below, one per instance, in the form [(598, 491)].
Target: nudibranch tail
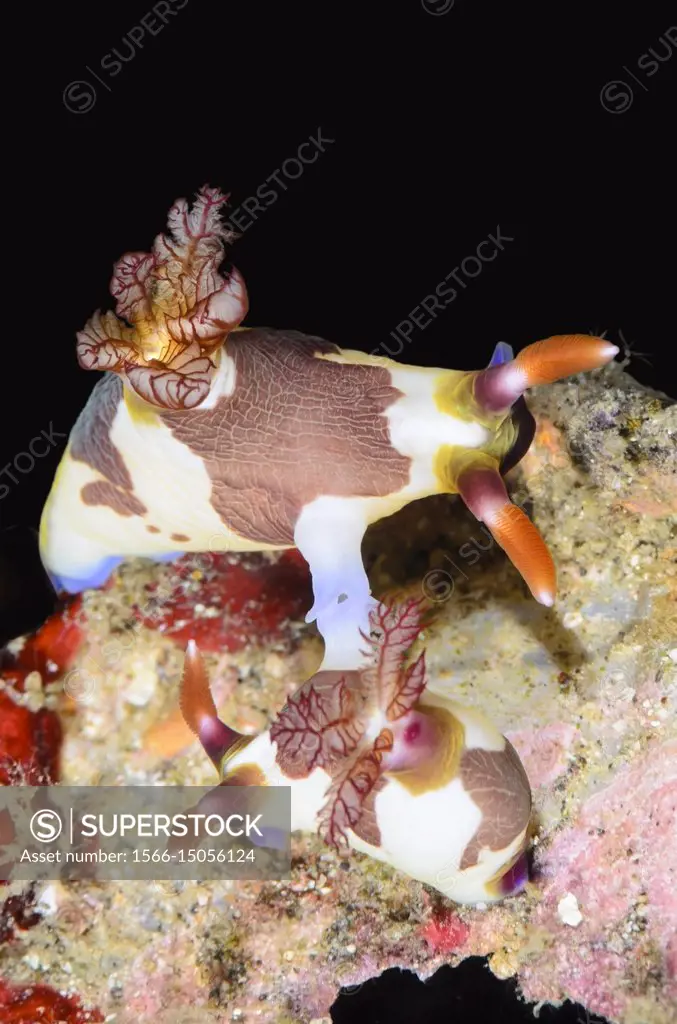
[(175, 310), (199, 711), (500, 385), (484, 492)]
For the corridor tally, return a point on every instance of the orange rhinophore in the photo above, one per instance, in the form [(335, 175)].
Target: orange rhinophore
[(499, 387), (484, 492), (198, 708)]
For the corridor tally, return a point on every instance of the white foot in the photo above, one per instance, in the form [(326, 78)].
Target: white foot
[(342, 632), (329, 535)]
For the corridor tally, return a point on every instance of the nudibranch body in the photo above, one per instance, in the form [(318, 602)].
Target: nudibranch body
[(205, 436), (375, 763)]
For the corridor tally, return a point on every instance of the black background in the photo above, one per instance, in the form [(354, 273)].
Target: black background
[(445, 126)]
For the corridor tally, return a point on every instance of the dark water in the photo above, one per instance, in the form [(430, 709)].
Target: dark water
[(469, 992)]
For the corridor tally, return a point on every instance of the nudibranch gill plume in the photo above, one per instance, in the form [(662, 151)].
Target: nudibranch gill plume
[(376, 763), (207, 436)]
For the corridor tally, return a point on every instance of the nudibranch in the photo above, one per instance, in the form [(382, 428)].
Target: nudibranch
[(376, 763), (206, 436)]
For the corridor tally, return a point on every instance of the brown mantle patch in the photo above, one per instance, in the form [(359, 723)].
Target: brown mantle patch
[(91, 443), (497, 782), (296, 427), (102, 493), (90, 440)]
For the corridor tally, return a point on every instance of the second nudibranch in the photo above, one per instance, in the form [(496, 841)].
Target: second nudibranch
[(204, 436), (376, 763)]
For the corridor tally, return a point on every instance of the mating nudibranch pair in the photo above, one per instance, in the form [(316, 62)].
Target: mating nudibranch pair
[(204, 436), (376, 763)]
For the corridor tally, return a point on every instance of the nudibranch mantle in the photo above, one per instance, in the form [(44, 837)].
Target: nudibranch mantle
[(376, 763), (207, 436)]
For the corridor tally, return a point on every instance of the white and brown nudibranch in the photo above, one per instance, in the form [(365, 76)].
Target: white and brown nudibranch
[(375, 763), (206, 436)]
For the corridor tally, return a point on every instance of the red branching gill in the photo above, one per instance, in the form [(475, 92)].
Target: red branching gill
[(176, 297), (325, 724), (227, 602)]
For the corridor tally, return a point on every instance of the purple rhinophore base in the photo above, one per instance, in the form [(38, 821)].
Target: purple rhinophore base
[(516, 877)]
